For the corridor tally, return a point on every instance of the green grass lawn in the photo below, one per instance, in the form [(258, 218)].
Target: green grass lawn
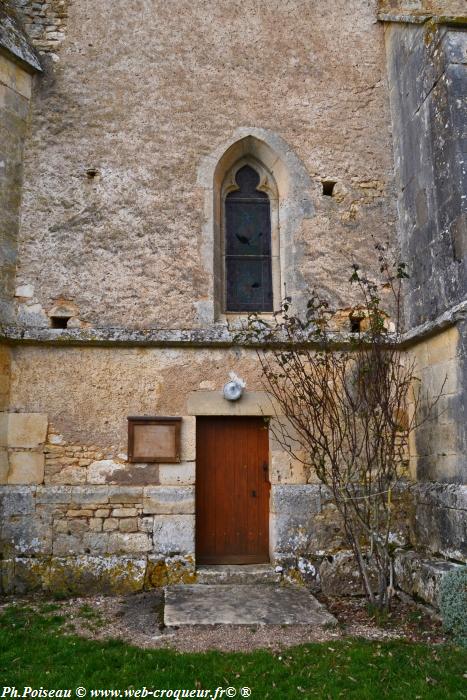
[(35, 652)]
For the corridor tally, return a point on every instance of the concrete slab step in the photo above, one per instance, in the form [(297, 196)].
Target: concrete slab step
[(204, 604), (241, 574)]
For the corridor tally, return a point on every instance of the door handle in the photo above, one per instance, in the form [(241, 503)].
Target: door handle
[(253, 493)]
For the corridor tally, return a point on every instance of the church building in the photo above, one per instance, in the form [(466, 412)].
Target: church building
[(166, 169)]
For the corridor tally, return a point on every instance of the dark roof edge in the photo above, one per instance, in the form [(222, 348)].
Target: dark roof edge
[(15, 43)]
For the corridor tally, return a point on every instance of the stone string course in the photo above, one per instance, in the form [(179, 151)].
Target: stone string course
[(216, 335)]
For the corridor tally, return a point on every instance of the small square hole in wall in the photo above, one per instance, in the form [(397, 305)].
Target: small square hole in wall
[(355, 324), (59, 321), (328, 188)]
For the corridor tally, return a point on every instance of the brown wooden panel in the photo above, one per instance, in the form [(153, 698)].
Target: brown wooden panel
[(232, 490), (153, 439)]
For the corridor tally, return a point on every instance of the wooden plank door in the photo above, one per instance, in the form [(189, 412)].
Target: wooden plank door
[(232, 490)]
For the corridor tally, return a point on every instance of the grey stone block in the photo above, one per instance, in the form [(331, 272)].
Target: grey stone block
[(293, 510), (442, 531), (125, 494), (65, 545), (421, 577), (169, 500), (296, 499), (79, 575), (53, 494), (25, 534), (81, 495), (235, 604), (96, 542), (7, 571), (129, 542), (174, 534), (455, 46), (441, 495), (17, 500)]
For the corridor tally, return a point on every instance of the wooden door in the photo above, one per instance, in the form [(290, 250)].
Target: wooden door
[(232, 491)]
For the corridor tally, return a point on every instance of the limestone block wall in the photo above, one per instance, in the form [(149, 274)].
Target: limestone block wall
[(438, 448), (86, 538), (438, 464), (22, 438), (440, 520), (15, 96), (427, 67)]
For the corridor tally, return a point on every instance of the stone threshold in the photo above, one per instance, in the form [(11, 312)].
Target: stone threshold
[(237, 573)]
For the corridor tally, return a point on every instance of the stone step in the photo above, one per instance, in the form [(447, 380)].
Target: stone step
[(237, 574), (242, 605)]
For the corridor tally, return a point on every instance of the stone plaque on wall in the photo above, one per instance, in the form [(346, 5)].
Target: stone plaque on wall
[(154, 439)]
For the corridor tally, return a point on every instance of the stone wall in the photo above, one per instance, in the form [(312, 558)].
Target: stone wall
[(22, 438), (123, 122), (93, 521), (427, 68), (428, 77), (97, 522), (79, 539), (45, 21), (439, 527), (131, 133), (15, 96), (95, 537), (437, 447), (5, 359)]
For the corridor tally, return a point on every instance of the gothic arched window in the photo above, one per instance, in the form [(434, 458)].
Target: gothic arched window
[(247, 245)]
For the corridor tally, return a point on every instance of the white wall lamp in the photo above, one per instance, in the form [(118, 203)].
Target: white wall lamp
[(233, 390)]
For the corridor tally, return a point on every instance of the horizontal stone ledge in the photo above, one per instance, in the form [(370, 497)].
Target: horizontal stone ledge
[(445, 320), (213, 336), (216, 335), (421, 18), (403, 18)]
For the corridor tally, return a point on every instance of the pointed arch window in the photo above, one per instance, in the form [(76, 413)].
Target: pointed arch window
[(247, 245)]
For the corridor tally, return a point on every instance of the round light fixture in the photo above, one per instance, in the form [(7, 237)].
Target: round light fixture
[(233, 390)]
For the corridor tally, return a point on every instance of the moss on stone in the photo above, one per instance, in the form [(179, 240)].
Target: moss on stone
[(79, 575), (164, 572), (457, 20), (294, 576)]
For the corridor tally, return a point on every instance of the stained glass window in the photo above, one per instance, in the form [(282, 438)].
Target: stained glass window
[(248, 267)]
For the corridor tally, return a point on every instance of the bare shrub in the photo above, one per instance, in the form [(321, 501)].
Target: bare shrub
[(342, 410)]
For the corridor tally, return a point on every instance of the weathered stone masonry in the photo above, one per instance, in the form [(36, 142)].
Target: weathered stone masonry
[(110, 301), (18, 63), (45, 22)]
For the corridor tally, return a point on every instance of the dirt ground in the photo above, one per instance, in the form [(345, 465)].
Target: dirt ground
[(138, 620)]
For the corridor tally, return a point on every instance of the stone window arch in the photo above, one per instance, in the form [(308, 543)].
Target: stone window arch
[(289, 188), (249, 245)]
